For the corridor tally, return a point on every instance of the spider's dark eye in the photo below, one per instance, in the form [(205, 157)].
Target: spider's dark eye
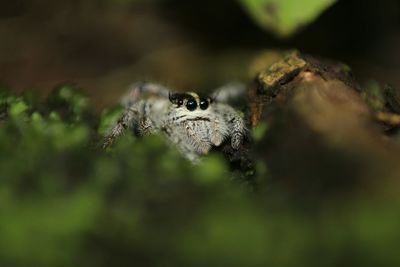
[(176, 99), (191, 104), (203, 104)]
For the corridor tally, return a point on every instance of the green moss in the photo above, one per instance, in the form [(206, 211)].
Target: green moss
[(65, 202)]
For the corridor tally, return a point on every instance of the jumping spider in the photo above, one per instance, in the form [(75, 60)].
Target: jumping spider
[(193, 122)]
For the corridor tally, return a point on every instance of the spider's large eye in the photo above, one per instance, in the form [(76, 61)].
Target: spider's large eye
[(203, 104), (191, 104)]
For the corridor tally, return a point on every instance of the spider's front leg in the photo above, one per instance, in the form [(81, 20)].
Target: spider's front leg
[(227, 95), (128, 119), (237, 130)]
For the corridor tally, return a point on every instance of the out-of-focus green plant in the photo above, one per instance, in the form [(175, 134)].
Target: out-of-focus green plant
[(285, 17)]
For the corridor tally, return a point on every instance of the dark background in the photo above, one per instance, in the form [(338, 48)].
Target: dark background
[(103, 46)]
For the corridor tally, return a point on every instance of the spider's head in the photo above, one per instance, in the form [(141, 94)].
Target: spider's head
[(191, 101)]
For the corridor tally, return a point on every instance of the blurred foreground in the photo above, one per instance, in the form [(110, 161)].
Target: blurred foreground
[(65, 202)]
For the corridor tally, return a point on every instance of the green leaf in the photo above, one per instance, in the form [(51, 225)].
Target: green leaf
[(285, 17)]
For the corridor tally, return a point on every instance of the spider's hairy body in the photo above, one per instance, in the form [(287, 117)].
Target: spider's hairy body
[(192, 122)]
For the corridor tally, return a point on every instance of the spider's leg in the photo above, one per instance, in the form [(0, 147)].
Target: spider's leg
[(230, 92), (136, 91), (237, 131), (127, 119)]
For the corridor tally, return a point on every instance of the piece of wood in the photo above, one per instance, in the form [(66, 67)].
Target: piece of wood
[(322, 136)]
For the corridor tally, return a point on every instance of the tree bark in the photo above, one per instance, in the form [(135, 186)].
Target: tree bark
[(323, 138)]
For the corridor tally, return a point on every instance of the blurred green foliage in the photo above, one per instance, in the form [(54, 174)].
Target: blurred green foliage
[(285, 17), (65, 202)]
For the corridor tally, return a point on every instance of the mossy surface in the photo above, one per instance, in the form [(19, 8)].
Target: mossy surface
[(66, 202)]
